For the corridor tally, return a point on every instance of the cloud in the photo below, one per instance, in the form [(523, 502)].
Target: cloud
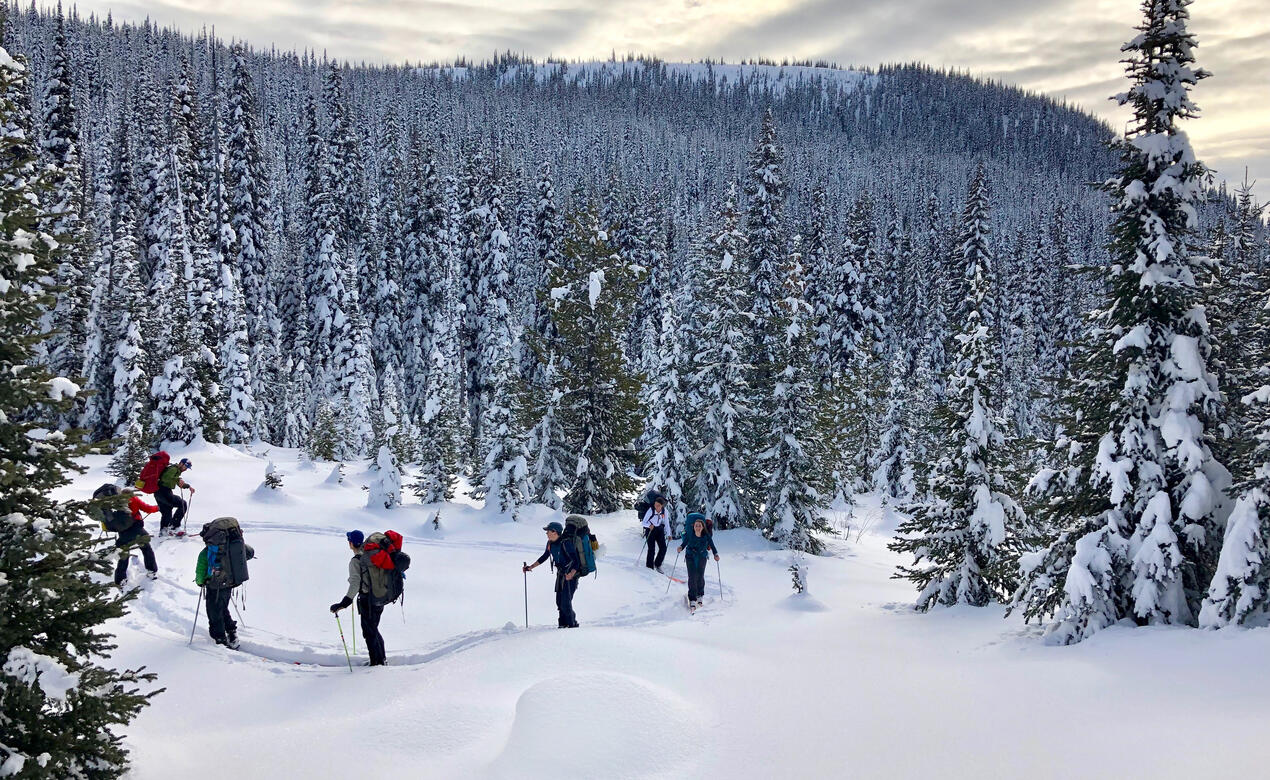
[(1066, 48)]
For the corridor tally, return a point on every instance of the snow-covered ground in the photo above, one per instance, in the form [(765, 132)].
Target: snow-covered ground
[(845, 682)]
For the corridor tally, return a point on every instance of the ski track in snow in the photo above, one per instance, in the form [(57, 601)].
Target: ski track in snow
[(160, 612)]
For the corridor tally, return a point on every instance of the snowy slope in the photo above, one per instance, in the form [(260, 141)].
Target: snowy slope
[(849, 683)]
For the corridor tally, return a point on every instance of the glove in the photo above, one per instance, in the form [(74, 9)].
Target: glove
[(646, 530), (344, 602)]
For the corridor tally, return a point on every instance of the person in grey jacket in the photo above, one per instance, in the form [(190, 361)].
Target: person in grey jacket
[(359, 588)]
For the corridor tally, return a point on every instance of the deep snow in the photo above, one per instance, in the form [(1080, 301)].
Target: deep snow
[(845, 681)]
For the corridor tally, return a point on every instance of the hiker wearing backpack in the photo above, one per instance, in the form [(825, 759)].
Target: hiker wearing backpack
[(169, 479), (359, 588), (128, 525), (135, 538), (654, 523), (221, 567), (698, 543), (568, 565)]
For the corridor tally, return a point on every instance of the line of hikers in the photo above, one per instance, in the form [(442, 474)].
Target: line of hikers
[(376, 570)]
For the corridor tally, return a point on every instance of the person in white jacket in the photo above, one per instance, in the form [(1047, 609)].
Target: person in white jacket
[(655, 531)]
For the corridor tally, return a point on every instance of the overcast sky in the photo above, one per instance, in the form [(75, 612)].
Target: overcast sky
[(1065, 48)]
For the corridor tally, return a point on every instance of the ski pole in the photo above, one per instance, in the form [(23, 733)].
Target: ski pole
[(346, 655), (525, 576), (185, 519), (672, 571), (236, 612), (641, 550), (197, 607), (720, 575)]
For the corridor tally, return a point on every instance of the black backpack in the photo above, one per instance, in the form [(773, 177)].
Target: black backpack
[(226, 553), (646, 503), (114, 520)]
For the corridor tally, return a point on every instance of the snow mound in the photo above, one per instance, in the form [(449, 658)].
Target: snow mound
[(264, 494), (608, 713), (804, 602)]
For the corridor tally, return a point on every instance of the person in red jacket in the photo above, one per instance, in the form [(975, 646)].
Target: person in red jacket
[(135, 537)]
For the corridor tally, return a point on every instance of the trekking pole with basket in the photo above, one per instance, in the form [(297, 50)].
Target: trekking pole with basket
[(641, 550), (672, 571), (524, 573), (719, 572), (202, 590), (346, 655)]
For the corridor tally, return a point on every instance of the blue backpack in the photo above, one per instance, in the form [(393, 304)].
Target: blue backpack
[(584, 542)]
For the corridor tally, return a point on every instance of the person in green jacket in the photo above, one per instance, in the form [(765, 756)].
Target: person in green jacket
[(218, 586), (168, 501), (699, 544)]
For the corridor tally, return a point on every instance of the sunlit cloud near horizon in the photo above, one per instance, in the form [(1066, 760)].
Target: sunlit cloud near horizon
[(1068, 49)]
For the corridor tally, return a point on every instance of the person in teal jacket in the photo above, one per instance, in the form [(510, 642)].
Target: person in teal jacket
[(698, 544)]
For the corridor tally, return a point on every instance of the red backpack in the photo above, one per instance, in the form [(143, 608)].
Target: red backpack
[(385, 566), (149, 480), (381, 547)]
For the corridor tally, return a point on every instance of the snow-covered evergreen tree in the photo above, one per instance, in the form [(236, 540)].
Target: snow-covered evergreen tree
[(600, 408), (550, 460), (766, 250), (962, 537), (721, 380), (385, 491), (1133, 497), (62, 704), (668, 426), (793, 513), (60, 152), (1240, 590)]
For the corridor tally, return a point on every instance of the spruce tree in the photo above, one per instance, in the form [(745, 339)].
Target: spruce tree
[(1133, 493), (793, 513), (60, 151), (766, 251), (61, 705), (549, 456), (600, 406), (1240, 590), (246, 186), (668, 432), (962, 537), (722, 485)]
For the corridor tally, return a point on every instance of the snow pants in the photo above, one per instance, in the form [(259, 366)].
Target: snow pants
[(168, 501), (125, 550), (564, 600), (219, 624), (696, 577), (369, 615), (656, 536)]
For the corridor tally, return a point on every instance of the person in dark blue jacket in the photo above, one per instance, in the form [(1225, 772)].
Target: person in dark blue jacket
[(699, 544), (565, 559)]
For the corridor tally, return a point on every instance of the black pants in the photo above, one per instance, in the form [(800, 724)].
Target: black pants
[(656, 537), (147, 555), (370, 615), (564, 600), (219, 624), (167, 501), (696, 577)]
